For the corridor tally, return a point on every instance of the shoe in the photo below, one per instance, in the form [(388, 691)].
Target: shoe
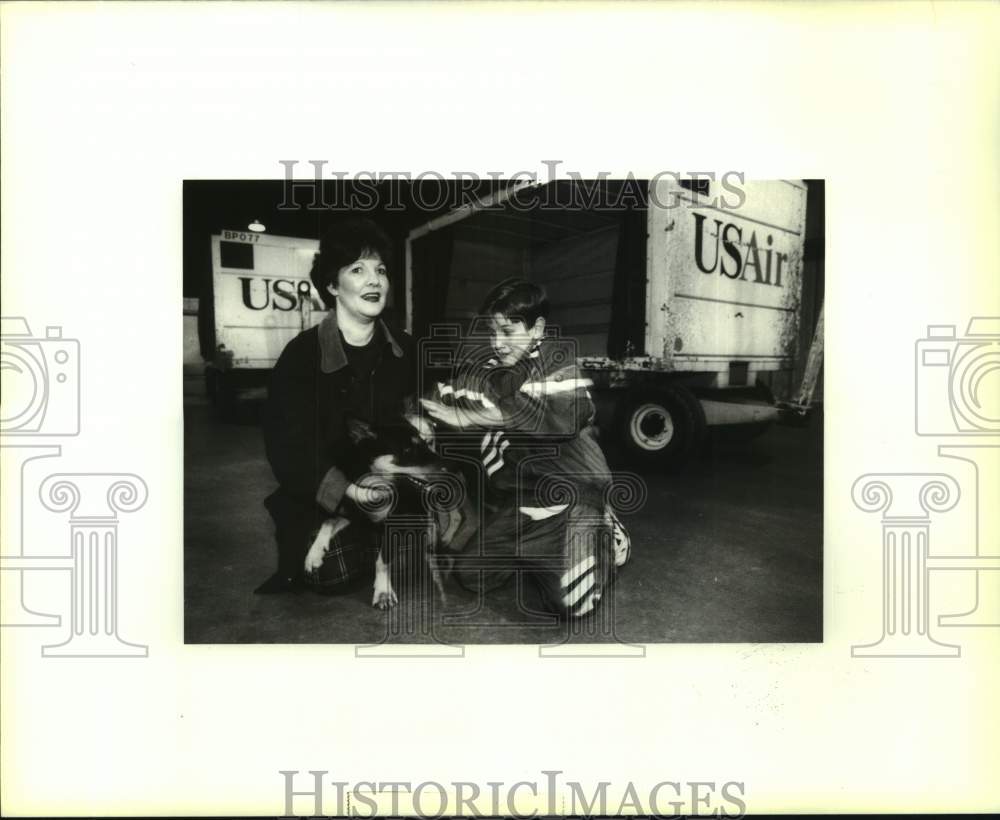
[(279, 582), (622, 542)]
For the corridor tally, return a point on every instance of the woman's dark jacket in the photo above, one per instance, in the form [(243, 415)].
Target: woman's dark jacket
[(305, 430)]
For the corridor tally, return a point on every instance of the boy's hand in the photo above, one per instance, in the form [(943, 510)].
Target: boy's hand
[(463, 418), (442, 413)]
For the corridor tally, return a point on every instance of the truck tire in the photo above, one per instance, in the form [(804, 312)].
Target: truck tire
[(661, 427)]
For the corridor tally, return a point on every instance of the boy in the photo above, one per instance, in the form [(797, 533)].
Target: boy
[(547, 474)]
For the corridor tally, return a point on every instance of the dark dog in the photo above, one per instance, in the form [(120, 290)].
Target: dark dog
[(402, 466)]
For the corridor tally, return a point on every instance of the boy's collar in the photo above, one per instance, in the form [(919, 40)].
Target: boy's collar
[(532, 357), (332, 355)]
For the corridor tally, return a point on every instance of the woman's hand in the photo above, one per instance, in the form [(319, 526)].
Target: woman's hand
[(374, 500), (370, 494)]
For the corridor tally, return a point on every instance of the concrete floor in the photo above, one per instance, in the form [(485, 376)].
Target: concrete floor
[(728, 550)]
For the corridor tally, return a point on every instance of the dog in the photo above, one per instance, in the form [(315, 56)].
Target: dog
[(400, 458)]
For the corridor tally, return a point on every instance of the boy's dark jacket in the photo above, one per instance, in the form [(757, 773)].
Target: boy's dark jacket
[(311, 387), (549, 446)]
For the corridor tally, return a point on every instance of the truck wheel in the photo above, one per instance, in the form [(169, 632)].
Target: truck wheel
[(661, 427)]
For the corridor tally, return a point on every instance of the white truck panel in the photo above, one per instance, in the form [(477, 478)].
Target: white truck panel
[(725, 283), (266, 299)]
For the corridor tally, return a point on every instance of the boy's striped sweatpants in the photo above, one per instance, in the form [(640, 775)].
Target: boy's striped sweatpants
[(568, 551)]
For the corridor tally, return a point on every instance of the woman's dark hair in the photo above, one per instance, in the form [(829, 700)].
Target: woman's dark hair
[(517, 299), (342, 244)]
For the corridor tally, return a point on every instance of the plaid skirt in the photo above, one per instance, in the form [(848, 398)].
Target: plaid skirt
[(347, 564)]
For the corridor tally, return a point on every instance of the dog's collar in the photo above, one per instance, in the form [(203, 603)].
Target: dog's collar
[(332, 356)]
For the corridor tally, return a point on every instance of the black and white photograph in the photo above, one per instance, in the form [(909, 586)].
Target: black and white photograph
[(485, 409), (502, 411)]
